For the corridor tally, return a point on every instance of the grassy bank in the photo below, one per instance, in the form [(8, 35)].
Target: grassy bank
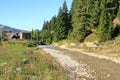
[(18, 62), (108, 48)]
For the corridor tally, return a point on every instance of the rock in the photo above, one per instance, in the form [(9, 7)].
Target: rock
[(92, 44), (64, 46), (25, 61), (116, 21), (72, 44), (18, 69)]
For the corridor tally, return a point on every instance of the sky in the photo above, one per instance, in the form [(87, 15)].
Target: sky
[(29, 14)]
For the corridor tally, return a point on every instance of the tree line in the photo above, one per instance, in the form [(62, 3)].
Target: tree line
[(78, 23)]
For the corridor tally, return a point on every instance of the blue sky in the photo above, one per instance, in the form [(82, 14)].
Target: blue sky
[(28, 14)]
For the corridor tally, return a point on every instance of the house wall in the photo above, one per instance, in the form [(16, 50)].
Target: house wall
[(21, 36), (25, 35)]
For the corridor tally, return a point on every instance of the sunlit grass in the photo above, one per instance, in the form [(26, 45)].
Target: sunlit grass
[(18, 62), (109, 48)]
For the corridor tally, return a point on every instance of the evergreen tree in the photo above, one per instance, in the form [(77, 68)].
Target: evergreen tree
[(83, 16), (32, 34), (59, 29), (53, 27), (117, 25), (35, 34), (94, 13), (118, 13), (62, 23), (80, 19), (108, 13), (53, 23), (48, 31)]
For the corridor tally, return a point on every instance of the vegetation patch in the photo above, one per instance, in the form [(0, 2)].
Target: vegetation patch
[(19, 62), (108, 48), (92, 37)]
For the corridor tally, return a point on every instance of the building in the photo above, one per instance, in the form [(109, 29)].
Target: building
[(25, 35), (7, 34), (11, 36)]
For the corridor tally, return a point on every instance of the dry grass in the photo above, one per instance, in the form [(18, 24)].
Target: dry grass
[(92, 37), (108, 48)]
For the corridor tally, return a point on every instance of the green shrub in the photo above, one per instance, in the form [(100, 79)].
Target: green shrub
[(32, 44)]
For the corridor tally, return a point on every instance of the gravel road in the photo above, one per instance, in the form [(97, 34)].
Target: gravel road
[(83, 67)]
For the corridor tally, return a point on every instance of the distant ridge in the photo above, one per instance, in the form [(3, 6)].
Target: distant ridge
[(14, 30)]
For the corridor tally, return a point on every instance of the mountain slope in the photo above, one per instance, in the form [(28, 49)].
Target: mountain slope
[(4, 27)]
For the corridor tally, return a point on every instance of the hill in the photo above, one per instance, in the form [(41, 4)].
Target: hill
[(4, 27)]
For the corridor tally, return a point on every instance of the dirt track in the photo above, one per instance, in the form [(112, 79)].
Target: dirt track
[(102, 69)]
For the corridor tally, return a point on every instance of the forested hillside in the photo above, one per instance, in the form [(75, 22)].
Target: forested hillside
[(85, 17)]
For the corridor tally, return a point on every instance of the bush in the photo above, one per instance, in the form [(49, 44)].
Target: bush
[(5, 39), (32, 44)]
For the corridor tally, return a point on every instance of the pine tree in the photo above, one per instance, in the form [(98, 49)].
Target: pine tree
[(117, 25), (80, 19), (108, 13), (45, 33), (83, 16), (32, 34), (118, 9), (62, 23), (94, 13)]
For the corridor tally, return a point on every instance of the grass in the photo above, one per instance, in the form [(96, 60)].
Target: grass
[(92, 37), (108, 48), (18, 62), (111, 47)]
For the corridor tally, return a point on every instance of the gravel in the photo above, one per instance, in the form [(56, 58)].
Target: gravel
[(113, 59), (76, 70)]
